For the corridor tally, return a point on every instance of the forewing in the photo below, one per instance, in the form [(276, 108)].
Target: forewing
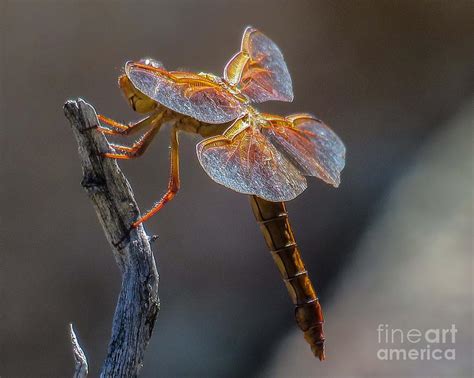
[(186, 93), (260, 69), (243, 160), (310, 145)]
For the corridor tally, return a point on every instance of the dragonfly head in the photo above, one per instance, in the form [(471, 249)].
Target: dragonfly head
[(137, 100), (151, 62)]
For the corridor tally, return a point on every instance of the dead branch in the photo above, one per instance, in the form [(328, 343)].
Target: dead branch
[(113, 200)]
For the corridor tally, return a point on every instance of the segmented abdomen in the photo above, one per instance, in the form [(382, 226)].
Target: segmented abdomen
[(276, 229)]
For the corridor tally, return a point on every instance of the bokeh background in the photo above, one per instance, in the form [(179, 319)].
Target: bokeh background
[(392, 245)]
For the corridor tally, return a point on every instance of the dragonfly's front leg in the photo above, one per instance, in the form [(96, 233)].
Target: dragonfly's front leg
[(174, 182), (118, 128), (138, 148)]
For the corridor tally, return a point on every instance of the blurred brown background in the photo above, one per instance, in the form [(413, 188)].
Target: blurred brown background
[(386, 75)]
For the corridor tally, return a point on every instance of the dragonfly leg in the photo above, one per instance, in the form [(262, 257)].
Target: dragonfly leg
[(174, 182), (117, 128), (138, 148)]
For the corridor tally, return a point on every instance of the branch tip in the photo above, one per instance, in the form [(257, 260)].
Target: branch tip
[(80, 359)]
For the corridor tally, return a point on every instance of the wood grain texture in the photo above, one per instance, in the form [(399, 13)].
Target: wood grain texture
[(116, 208)]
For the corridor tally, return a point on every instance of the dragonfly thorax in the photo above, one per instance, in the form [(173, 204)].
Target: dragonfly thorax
[(253, 118)]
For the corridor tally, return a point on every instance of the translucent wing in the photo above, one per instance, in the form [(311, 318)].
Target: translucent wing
[(186, 93), (259, 69), (243, 160), (309, 144)]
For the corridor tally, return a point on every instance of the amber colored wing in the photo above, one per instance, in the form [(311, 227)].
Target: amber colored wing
[(243, 160), (259, 69), (309, 144), (184, 92)]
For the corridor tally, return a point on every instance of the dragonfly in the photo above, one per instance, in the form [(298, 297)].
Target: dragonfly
[(262, 155)]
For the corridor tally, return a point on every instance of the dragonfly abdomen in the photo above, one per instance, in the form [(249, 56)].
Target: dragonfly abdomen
[(276, 229)]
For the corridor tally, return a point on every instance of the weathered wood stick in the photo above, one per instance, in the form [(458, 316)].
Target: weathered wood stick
[(113, 200)]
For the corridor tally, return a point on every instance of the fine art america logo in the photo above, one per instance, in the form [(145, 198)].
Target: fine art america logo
[(416, 344)]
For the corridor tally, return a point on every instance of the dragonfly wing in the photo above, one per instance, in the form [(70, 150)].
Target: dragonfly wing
[(310, 145), (260, 69), (235, 67), (243, 160), (186, 93)]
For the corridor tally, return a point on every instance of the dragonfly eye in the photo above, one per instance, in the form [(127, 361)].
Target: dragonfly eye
[(151, 62)]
